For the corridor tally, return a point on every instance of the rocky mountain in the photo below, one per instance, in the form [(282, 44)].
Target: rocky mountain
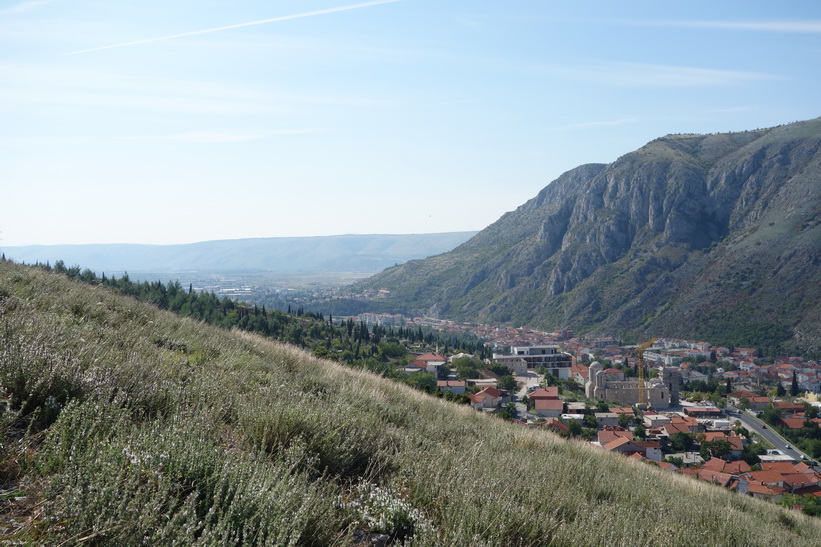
[(355, 253), (708, 236)]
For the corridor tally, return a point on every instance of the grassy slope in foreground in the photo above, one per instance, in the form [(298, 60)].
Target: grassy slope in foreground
[(144, 427)]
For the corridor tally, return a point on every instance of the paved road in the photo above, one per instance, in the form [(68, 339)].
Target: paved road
[(527, 381), (755, 425)]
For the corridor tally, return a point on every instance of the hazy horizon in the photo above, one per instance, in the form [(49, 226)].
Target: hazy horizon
[(173, 244)]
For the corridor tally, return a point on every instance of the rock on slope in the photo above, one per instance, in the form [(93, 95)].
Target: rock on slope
[(692, 235)]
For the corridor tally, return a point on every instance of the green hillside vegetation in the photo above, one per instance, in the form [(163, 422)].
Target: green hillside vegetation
[(124, 424), (372, 347)]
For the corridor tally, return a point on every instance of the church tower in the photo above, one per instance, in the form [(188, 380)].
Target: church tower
[(671, 378)]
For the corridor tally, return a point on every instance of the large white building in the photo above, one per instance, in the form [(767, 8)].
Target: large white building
[(522, 358)]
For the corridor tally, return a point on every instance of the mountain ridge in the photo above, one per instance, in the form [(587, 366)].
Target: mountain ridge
[(348, 252), (690, 235)]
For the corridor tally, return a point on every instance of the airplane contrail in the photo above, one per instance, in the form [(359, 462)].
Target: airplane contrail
[(238, 25)]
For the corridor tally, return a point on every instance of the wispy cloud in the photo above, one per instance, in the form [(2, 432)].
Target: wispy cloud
[(59, 86), (787, 26), (755, 26), (222, 137), (649, 75), (426, 105), (732, 109), (37, 141), (23, 7), (622, 121), (238, 25)]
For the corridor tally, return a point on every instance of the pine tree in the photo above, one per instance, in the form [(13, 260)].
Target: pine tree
[(794, 387)]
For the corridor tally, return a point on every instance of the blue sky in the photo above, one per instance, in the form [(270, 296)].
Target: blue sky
[(182, 121)]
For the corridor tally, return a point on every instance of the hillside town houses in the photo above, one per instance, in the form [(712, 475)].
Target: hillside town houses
[(746, 368), (670, 363)]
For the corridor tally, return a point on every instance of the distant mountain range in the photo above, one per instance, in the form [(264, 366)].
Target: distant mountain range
[(342, 253), (700, 236)]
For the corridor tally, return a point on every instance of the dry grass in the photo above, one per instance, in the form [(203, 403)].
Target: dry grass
[(143, 427)]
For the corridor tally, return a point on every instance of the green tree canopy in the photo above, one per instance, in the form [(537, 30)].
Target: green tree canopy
[(681, 442), (507, 383), (772, 415), (467, 367), (715, 449), (424, 381)]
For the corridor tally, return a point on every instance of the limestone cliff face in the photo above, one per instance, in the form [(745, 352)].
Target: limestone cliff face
[(692, 234)]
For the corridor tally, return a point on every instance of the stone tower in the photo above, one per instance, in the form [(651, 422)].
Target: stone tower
[(671, 378), (592, 380)]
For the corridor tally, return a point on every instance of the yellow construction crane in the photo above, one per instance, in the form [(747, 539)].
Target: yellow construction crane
[(640, 354)]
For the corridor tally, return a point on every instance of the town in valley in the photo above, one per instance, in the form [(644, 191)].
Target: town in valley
[(757, 431)]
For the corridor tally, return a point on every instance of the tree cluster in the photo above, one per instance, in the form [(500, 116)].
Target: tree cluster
[(373, 347)]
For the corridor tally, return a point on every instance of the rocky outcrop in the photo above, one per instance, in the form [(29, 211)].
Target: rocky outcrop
[(693, 234)]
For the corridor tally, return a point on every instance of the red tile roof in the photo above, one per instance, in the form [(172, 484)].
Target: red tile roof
[(764, 489), (608, 435), (780, 467), (723, 479), (490, 390), (734, 440), (622, 410), (798, 480), (812, 490), (617, 443), (734, 468), (551, 392), (556, 425), (767, 477), (549, 404), (672, 429), (714, 464), (742, 393), (431, 357), (788, 406), (737, 467), (793, 423)]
